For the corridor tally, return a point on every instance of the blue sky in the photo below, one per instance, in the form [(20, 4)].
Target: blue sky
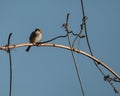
[(49, 71)]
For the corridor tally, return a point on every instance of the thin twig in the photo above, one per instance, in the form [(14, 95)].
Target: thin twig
[(81, 29), (63, 36), (87, 39), (86, 35), (10, 59), (76, 67)]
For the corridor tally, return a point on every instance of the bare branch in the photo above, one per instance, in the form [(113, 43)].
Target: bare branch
[(74, 60), (10, 59), (64, 47)]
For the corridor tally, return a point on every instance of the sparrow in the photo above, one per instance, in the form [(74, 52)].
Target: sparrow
[(35, 37)]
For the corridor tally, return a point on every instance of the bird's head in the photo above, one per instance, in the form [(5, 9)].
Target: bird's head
[(38, 29)]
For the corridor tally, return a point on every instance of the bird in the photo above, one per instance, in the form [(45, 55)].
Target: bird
[(35, 37)]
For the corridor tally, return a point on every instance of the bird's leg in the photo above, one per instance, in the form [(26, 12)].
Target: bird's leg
[(37, 44), (34, 43)]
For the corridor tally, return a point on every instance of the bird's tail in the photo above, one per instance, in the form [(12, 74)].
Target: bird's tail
[(28, 48)]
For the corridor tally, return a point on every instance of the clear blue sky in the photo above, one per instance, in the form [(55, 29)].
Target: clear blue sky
[(48, 71)]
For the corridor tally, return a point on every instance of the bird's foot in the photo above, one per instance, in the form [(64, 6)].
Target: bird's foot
[(34, 44), (38, 44)]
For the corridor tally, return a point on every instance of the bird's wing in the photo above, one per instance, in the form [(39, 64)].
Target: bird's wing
[(32, 37)]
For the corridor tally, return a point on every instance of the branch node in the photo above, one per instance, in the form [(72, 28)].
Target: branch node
[(107, 78), (54, 45), (9, 37), (84, 19)]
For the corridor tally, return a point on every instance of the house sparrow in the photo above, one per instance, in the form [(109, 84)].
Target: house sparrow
[(35, 37)]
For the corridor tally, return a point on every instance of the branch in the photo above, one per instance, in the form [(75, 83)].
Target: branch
[(74, 60), (10, 59), (67, 48)]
